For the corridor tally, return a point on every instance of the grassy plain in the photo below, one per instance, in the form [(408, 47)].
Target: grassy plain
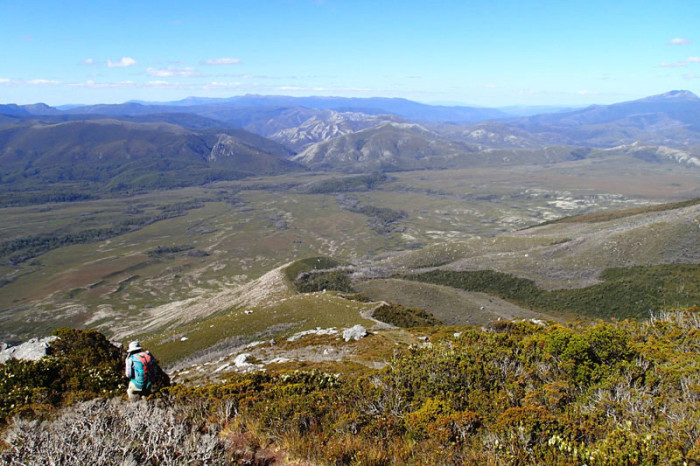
[(237, 328), (245, 228)]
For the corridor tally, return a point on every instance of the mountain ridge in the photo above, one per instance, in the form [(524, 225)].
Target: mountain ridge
[(120, 154)]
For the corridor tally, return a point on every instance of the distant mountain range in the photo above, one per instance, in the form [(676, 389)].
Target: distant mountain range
[(373, 106), (671, 119), (145, 145)]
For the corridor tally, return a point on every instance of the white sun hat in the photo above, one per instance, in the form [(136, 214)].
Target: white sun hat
[(134, 346)]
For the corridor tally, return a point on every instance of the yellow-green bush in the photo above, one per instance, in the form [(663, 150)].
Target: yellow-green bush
[(519, 393)]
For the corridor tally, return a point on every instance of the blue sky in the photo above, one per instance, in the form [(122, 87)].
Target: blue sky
[(487, 53)]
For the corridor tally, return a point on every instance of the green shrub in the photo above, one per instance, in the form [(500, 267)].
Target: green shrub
[(624, 293), (401, 316), (516, 393), (293, 270), (335, 280), (81, 364)]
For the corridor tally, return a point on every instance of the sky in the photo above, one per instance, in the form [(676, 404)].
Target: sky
[(490, 53)]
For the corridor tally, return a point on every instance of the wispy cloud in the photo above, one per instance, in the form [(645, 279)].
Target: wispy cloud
[(42, 82), (293, 88), (173, 71), (680, 63), (27, 38), (679, 41), (155, 84), (29, 82), (692, 76), (160, 84), (221, 85), (122, 63), (245, 76), (221, 61), (177, 22)]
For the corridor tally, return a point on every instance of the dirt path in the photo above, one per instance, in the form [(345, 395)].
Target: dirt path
[(378, 324)]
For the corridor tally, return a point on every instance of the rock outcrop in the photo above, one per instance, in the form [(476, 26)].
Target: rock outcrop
[(31, 350), (357, 332)]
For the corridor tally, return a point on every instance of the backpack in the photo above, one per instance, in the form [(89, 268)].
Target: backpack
[(144, 370)]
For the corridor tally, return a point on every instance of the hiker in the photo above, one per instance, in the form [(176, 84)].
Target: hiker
[(141, 371)]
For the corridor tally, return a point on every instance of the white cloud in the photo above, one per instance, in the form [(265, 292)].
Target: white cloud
[(679, 41), (222, 61), (245, 76), (692, 76), (96, 85), (292, 88), (490, 86), (42, 82), (122, 63), (173, 71), (680, 63), (160, 84), (220, 85), (28, 82)]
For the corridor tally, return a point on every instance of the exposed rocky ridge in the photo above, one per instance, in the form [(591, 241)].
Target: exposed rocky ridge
[(688, 158), (387, 146), (326, 125)]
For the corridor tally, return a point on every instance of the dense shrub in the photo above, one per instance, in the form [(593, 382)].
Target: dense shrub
[(401, 316), (335, 280), (82, 364), (309, 264), (518, 393), (623, 294)]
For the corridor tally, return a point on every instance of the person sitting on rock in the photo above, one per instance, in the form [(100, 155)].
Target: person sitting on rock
[(140, 370)]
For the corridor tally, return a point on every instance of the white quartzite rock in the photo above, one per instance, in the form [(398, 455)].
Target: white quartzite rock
[(31, 350), (354, 333)]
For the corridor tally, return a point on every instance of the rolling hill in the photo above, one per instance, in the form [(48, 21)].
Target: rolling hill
[(116, 155)]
